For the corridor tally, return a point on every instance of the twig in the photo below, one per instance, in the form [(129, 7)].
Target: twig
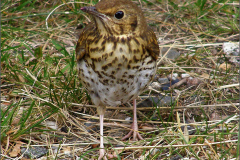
[(227, 86), (152, 108), (65, 12), (170, 146)]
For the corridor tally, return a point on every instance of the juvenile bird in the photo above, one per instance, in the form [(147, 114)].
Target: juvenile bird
[(116, 57)]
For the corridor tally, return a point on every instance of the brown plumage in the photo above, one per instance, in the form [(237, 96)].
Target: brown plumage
[(116, 56)]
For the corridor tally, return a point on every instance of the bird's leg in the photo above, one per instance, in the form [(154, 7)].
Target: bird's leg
[(101, 150), (134, 127), (102, 154)]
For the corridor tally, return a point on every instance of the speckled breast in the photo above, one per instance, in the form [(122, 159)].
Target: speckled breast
[(116, 69)]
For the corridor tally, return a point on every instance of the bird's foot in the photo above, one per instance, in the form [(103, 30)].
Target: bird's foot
[(105, 156), (134, 132), (134, 126)]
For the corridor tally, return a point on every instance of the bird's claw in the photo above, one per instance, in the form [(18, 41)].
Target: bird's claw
[(136, 135), (103, 155)]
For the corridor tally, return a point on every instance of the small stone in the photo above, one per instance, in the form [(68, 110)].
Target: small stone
[(160, 100), (163, 80), (231, 48), (154, 118), (34, 152), (172, 76), (90, 125), (54, 149), (185, 75), (172, 53), (234, 60), (191, 130), (163, 100), (52, 125), (176, 157), (156, 85), (166, 86), (155, 77), (64, 129), (128, 118), (193, 81)]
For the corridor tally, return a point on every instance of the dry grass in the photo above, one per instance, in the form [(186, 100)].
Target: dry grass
[(44, 105)]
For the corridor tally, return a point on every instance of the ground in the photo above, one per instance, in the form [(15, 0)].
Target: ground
[(190, 111)]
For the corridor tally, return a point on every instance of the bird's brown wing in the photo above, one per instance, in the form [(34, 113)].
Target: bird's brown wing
[(152, 44), (82, 41)]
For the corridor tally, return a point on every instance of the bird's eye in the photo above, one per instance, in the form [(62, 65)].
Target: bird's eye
[(119, 14)]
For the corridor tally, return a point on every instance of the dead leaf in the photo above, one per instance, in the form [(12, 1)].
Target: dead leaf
[(16, 149), (15, 120), (225, 66), (6, 103), (30, 60), (20, 77), (67, 150), (95, 145), (205, 76), (193, 81)]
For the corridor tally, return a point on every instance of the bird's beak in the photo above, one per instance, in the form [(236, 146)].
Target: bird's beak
[(92, 10)]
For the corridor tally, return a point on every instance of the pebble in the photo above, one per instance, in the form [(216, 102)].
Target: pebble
[(172, 53), (156, 85), (185, 75), (191, 129), (160, 100), (163, 80), (51, 124), (193, 81), (34, 152), (166, 86), (90, 125), (172, 76), (231, 48)]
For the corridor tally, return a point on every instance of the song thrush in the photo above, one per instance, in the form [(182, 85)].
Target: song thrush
[(116, 56)]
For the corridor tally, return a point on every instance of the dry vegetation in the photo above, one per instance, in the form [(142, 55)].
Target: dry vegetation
[(43, 105)]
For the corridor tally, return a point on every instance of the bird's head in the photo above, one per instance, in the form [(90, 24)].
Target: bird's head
[(117, 17)]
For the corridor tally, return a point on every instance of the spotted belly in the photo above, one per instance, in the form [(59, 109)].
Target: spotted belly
[(116, 84)]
